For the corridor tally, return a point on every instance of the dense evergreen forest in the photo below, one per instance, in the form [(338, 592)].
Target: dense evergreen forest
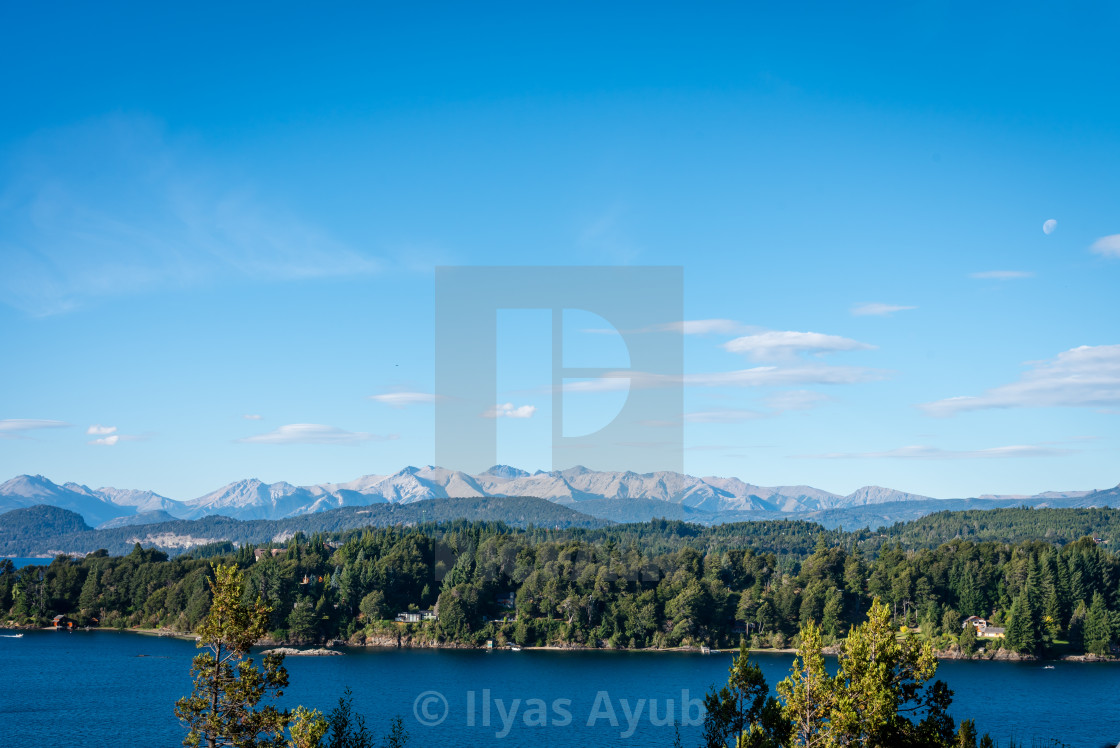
[(657, 584)]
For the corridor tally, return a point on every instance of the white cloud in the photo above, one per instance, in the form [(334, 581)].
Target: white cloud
[(878, 310), (778, 345), (402, 399), (252, 417), (935, 453), (313, 433), (507, 410), (98, 430), (1107, 246), (1088, 376), (106, 441), (115, 206), (12, 427), (1001, 275)]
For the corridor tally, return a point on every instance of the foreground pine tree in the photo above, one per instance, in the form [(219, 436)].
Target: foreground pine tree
[(881, 696), (228, 686)]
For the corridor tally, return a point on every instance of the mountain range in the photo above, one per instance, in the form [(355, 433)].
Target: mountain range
[(620, 496)]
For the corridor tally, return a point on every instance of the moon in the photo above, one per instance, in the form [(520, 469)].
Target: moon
[(1049, 226)]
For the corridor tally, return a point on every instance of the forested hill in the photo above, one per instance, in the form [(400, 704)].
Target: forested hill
[(47, 530), (1008, 526), (657, 584)]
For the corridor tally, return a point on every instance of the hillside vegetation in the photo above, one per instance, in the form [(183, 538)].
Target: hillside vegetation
[(657, 584)]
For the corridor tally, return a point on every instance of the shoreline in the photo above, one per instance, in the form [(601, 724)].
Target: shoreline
[(399, 642)]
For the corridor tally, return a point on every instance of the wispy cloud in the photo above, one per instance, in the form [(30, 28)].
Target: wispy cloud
[(688, 327), (107, 436), (776, 404), (778, 376), (313, 433), (1088, 376), (1107, 246), (1001, 275), (935, 453), (507, 410), (402, 399), (796, 400), (758, 376), (726, 415), (16, 428), (28, 424), (116, 206), (709, 327), (784, 345), (252, 417), (606, 235), (875, 309)]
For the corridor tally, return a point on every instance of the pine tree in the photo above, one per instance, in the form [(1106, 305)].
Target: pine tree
[(882, 681), (968, 640), (91, 592), (1098, 627), (807, 693), (1077, 625), (1020, 635), (738, 708), (221, 711), (966, 735)]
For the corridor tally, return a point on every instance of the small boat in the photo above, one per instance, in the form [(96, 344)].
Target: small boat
[(514, 648), (1047, 667), (12, 636)]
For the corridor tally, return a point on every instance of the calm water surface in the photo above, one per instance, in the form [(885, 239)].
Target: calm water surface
[(104, 688), (22, 562)]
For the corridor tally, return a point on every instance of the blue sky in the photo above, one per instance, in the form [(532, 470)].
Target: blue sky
[(214, 213)]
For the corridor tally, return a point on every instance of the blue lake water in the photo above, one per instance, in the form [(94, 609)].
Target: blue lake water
[(22, 562), (104, 688)]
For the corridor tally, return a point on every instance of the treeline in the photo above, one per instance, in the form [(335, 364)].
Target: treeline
[(1011, 525), (661, 584), (35, 530)]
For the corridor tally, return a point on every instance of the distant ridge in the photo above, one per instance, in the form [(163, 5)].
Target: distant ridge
[(604, 493)]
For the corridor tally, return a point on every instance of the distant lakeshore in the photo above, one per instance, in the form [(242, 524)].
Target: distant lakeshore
[(407, 642)]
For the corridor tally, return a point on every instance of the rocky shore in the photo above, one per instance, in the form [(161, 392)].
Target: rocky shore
[(291, 652)]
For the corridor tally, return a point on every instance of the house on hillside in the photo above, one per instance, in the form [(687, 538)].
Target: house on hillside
[(416, 616), (259, 553), (983, 628)]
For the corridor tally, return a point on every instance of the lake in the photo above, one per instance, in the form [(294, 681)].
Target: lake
[(22, 562), (103, 688)]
